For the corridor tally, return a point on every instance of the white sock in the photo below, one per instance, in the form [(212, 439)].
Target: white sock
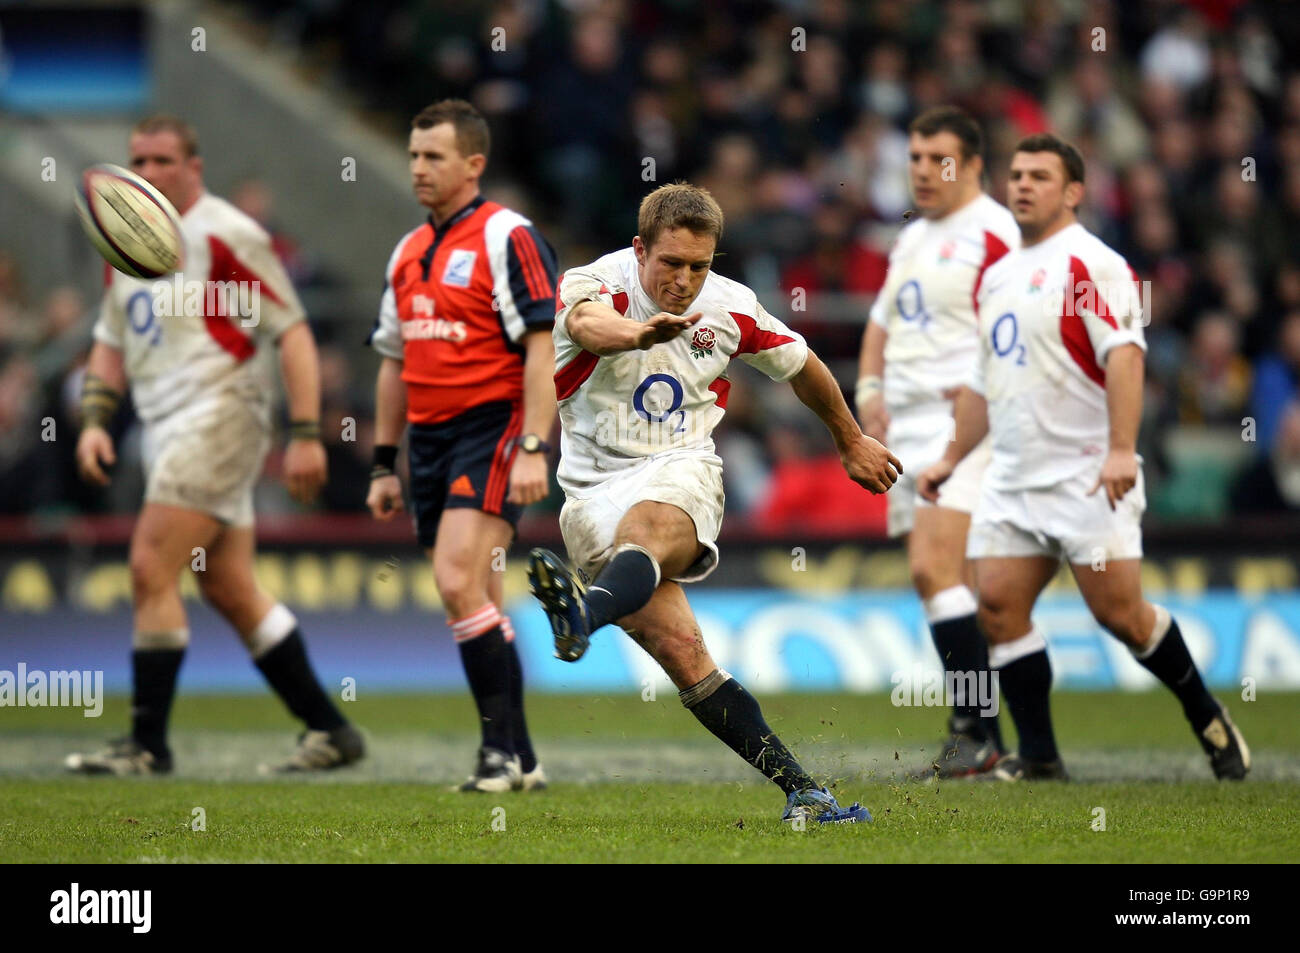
[(1006, 653), (1158, 632), (271, 631), (952, 603)]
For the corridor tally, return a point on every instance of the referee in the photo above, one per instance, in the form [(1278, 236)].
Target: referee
[(464, 329)]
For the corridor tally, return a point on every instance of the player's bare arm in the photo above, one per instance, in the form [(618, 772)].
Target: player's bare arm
[(1125, 368), (102, 390), (601, 330), (304, 457), (385, 496), (970, 424), (528, 480), (870, 392), (865, 459)]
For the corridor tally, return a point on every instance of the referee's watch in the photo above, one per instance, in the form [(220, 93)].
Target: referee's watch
[(531, 443)]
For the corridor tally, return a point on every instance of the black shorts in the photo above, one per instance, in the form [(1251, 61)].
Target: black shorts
[(464, 461)]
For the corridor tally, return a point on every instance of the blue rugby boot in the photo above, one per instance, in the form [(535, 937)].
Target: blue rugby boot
[(820, 805), (563, 594)]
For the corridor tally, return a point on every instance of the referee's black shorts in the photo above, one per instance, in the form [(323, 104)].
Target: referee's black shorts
[(464, 461)]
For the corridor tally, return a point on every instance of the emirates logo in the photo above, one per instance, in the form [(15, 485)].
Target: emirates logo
[(702, 342)]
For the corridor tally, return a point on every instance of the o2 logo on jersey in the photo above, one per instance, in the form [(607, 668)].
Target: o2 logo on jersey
[(658, 400), (910, 305), (139, 314), (648, 400), (1005, 338)]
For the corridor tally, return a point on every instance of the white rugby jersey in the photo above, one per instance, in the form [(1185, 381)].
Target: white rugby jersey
[(185, 336), (927, 302), (1049, 316), (619, 409)]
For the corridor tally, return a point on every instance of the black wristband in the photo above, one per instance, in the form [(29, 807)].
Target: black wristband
[(304, 430), (385, 456)]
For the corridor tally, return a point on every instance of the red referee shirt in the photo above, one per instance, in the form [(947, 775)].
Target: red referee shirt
[(457, 303)]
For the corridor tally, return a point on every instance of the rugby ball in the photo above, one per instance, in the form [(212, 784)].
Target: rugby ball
[(129, 222)]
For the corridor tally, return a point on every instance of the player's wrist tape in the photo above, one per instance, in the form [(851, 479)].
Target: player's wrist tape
[(868, 387), (304, 430), (385, 461), (99, 402)]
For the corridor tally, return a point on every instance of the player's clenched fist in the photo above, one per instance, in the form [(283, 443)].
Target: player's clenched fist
[(94, 452), (304, 469), (869, 463), (385, 496), (664, 327), (933, 477)]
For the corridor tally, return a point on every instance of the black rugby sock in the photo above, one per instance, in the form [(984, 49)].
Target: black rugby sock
[(1027, 683), (289, 673), (988, 718), (487, 667), (958, 642), (733, 715), (518, 724), (153, 686), (1172, 663), (625, 585)]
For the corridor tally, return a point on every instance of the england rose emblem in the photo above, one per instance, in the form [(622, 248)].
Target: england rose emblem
[(702, 342)]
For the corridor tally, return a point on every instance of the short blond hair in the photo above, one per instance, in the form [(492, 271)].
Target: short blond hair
[(679, 205), (174, 124)]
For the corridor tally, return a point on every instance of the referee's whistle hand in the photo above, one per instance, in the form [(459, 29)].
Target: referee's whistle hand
[(385, 497), (528, 479)]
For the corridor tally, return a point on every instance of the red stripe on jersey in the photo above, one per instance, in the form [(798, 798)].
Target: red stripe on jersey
[(753, 338), (620, 300), (721, 387), (539, 285), (1074, 334), (994, 248), (226, 267), (502, 460), (559, 290), (108, 274), (1089, 295), (525, 265), (571, 376)]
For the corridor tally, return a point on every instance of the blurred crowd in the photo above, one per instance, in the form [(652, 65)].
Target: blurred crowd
[(793, 112)]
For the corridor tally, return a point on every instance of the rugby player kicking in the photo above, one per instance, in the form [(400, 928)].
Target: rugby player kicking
[(1057, 386), (643, 339)]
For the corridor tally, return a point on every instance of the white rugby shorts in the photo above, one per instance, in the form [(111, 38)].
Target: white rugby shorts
[(918, 436), (589, 519), (1060, 521), (208, 456)]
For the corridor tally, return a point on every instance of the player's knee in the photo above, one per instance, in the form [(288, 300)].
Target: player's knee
[(996, 619), (924, 578), (227, 593), (1122, 620), (462, 592), (149, 572)]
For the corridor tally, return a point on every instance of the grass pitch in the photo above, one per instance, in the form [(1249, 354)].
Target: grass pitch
[(641, 781)]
